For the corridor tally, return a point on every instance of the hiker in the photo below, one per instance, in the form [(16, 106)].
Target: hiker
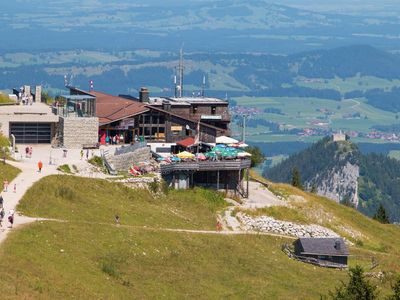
[(15, 188), (27, 152), (219, 226), (40, 166), (2, 213), (117, 219), (81, 154), (5, 185), (11, 217), (87, 154), (30, 151), (1, 201), (65, 152)]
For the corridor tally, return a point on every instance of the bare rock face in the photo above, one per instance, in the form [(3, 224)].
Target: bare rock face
[(339, 184)]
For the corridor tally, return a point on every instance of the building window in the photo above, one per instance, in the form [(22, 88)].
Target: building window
[(194, 109), (213, 110), (147, 120)]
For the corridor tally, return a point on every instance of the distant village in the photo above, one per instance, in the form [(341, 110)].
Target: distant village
[(320, 127)]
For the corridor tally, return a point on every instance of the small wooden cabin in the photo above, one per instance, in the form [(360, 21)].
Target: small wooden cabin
[(330, 252)]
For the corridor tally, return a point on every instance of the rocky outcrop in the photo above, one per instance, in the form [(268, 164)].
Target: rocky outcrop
[(339, 184), (269, 224)]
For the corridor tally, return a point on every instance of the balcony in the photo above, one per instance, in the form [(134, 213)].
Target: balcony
[(200, 166)]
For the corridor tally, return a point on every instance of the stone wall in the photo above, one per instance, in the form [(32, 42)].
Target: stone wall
[(269, 224), (123, 162), (76, 132)]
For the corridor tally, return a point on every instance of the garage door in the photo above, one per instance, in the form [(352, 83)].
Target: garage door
[(31, 133)]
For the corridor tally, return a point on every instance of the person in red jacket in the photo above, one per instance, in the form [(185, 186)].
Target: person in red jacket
[(40, 166)]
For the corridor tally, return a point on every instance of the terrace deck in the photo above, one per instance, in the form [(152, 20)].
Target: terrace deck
[(220, 165)]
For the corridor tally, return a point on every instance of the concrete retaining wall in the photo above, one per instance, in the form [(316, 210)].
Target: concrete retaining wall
[(123, 162)]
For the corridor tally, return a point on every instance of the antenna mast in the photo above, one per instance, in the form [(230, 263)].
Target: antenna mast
[(180, 73), (203, 87)]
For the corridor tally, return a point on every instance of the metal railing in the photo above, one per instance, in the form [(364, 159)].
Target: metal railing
[(206, 165), (130, 148)]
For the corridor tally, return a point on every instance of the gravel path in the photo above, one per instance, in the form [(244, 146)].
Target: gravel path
[(260, 196)]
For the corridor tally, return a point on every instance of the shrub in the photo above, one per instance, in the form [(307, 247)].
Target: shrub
[(65, 193), (154, 186), (358, 287), (65, 168)]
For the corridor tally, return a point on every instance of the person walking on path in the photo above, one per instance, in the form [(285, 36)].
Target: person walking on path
[(87, 154), (117, 219), (11, 217), (30, 151), (40, 166), (1, 201), (2, 213), (5, 185), (15, 188), (81, 154)]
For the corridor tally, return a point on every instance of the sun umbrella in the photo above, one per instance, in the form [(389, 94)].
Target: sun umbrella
[(243, 154), (185, 154), (175, 159), (210, 154), (201, 156), (225, 140), (243, 145)]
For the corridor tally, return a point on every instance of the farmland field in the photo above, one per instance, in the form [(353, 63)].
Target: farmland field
[(300, 113)]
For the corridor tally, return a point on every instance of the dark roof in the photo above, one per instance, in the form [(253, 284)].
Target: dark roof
[(324, 246), (111, 108), (186, 142)]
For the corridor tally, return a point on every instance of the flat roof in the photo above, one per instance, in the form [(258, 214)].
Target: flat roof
[(77, 97), (199, 100)]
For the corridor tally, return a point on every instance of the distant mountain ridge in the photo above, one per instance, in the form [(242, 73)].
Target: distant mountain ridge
[(202, 25), (340, 172), (238, 74)]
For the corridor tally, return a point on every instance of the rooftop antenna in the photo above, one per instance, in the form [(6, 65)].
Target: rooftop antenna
[(203, 87), (71, 80), (175, 87), (180, 73)]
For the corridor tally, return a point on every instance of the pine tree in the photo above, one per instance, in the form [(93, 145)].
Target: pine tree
[(381, 215), (356, 288), (296, 179), (314, 189)]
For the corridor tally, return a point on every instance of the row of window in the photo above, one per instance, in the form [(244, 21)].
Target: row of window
[(213, 109)]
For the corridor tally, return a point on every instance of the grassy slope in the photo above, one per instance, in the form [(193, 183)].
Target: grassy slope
[(116, 262), (106, 261), (88, 200), (371, 238), (7, 172)]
